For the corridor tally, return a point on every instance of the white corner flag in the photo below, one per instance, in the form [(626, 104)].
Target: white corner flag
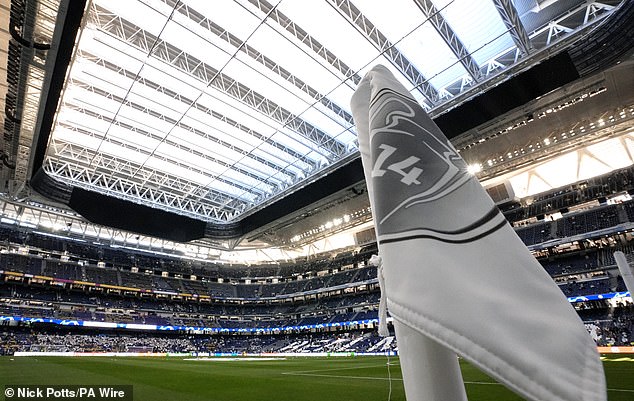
[(455, 274)]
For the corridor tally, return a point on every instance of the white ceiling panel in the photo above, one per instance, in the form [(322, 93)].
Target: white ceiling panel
[(228, 103)]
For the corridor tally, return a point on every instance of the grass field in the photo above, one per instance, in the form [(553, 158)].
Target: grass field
[(292, 379)]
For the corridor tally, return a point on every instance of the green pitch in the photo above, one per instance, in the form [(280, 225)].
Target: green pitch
[(291, 379)]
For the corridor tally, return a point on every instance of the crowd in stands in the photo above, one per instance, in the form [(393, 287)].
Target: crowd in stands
[(310, 291), (364, 274), (587, 272), (613, 329), (95, 343), (20, 301), (61, 340), (607, 326)]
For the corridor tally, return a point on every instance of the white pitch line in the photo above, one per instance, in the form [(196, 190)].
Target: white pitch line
[(367, 377), (331, 369), (227, 359), (339, 376), (307, 373)]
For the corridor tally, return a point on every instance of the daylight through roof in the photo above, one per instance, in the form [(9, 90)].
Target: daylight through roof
[(215, 109)]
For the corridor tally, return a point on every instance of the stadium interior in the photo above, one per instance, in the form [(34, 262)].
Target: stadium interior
[(182, 176)]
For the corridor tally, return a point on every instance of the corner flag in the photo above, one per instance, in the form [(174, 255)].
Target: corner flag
[(454, 272)]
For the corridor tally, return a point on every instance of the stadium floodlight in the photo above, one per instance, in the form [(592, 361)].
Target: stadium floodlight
[(474, 168)]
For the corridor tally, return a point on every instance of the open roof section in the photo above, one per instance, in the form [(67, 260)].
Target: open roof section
[(215, 110)]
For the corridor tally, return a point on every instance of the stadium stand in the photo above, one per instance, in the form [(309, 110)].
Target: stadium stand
[(303, 301), (68, 340)]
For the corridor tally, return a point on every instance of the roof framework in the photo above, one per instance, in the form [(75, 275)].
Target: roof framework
[(214, 109)]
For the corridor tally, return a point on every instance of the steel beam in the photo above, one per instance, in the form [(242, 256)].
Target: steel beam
[(381, 43), (451, 39), (514, 25)]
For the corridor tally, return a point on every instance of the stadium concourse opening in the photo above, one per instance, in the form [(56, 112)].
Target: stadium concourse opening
[(181, 184)]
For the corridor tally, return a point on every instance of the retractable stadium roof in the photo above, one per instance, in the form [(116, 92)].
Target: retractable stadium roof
[(219, 117)]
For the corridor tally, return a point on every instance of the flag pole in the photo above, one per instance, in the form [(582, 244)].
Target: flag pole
[(626, 271), (431, 372)]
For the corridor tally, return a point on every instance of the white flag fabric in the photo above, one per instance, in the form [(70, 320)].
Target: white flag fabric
[(627, 273), (454, 269)]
